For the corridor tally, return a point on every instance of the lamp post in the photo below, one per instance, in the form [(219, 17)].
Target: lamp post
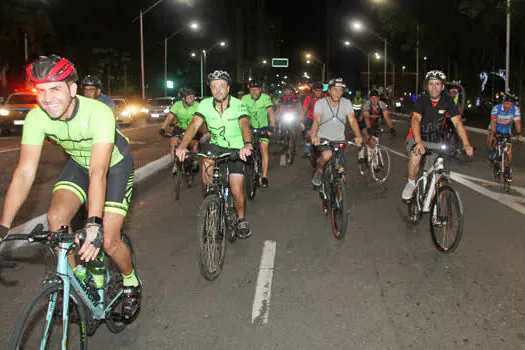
[(203, 62), (507, 50), (358, 26), (309, 59), (141, 14), (194, 26), (367, 54)]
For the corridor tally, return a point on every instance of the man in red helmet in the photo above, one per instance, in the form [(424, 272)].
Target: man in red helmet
[(99, 167)]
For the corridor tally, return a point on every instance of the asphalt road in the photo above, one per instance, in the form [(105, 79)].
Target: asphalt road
[(382, 287)]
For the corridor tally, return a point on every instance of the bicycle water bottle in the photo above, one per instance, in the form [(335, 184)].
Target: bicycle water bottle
[(81, 272), (98, 272), (226, 197)]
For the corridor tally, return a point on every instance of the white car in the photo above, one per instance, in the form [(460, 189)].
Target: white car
[(124, 115), (159, 107)]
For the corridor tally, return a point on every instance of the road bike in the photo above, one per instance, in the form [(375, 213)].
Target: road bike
[(376, 158)]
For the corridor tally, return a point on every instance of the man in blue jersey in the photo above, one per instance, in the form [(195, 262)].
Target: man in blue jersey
[(91, 87)]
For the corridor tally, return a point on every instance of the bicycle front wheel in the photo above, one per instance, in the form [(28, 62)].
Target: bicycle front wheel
[(178, 180), (250, 179), (339, 208), (446, 218), (380, 163), (41, 325), (211, 247)]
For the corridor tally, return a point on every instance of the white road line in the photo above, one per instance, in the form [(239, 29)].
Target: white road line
[(10, 150), (140, 175), (514, 202), (263, 290)]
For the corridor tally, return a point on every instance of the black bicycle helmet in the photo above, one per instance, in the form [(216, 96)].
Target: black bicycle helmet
[(336, 82), (255, 84), (186, 92), (220, 75), (91, 80), (317, 85), (46, 69), (436, 75), (289, 86), (508, 97), (374, 92)]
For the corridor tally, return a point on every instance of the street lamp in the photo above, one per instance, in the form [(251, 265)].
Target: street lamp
[(358, 26), (309, 59), (203, 62), (193, 54), (192, 25)]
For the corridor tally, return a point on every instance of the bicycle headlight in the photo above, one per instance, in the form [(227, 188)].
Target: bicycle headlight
[(288, 117), (443, 147)]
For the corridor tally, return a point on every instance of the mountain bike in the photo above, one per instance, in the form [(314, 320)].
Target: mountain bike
[(217, 217), (181, 170), (66, 310), (434, 194), (288, 130), (253, 169)]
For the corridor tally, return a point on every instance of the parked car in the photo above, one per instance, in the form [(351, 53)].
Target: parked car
[(159, 107), (13, 112)]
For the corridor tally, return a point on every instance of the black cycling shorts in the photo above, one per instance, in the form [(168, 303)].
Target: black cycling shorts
[(119, 184), (234, 167)]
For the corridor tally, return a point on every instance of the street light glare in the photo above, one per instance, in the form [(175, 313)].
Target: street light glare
[(264, 61), (193, 54), (308, 55), (308, 61), (194, 25), (285, 77), (357, 25), (223, 43), (347, 43)]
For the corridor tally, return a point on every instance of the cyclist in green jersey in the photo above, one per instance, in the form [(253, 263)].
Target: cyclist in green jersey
[(260, 108), (181, 114), (229, 125), (99, 165)]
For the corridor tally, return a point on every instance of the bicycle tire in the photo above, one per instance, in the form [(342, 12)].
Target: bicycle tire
[(231, 218), (339, 208), (496, 167), (26, 323), (211, 247), (506, 183), (414, 211), (250, 180), (382, 171), (113, 286), (438, 221)]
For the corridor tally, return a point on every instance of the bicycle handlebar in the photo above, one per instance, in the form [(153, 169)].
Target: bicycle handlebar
[(39, 235), (234, 155)]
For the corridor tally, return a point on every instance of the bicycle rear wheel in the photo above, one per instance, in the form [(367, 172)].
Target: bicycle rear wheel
[(41, 325), (380, 163), (251, 179), (178, 179), (113, 287), (446, 218), (339, 208), (211, 247)]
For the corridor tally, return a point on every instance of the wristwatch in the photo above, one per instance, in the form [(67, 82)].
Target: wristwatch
[(94, 220)]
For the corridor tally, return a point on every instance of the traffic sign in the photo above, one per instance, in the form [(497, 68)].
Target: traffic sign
[(280, 62)]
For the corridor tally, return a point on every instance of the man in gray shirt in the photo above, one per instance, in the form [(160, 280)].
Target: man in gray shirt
[(330, 116)]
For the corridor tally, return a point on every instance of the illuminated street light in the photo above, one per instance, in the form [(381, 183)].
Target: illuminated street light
[(308, 61), (347, 43), (264, 61), (193, 54)]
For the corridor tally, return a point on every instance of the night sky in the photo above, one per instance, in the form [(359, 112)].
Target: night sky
[(109, 24)]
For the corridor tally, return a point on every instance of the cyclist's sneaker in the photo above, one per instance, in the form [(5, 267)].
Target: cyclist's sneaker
[(131, 297), (306, 150), (317, 179), (361, 153), (507, 176), (174, 170), (408, 191), (243, 228), (282, 160), (264, 182)]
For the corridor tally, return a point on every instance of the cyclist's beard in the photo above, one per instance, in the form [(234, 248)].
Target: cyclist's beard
[(255, 97)]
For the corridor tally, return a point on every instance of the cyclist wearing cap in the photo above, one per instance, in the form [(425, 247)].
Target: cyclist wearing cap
[(181, 114), (373, 110), (502, 117), (308, 108), (330, 116), (100, 168), (91, 87), (260, 109), (428, 119), (229, 125)]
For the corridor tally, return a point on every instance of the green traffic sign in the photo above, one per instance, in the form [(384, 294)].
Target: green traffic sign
[(169, 84), (280, 62)]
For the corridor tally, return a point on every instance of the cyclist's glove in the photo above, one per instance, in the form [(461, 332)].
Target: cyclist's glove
[(3, 231), (94, 234), (162, 132), (393, 131)]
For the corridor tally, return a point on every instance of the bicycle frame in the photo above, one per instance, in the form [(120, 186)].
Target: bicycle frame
[(429, 178)]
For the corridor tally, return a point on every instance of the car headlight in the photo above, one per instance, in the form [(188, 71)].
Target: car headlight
[(144, 110), (288, 117), (133, 109), (398, 104), (4, 112), (167, 110), (125, 113)]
